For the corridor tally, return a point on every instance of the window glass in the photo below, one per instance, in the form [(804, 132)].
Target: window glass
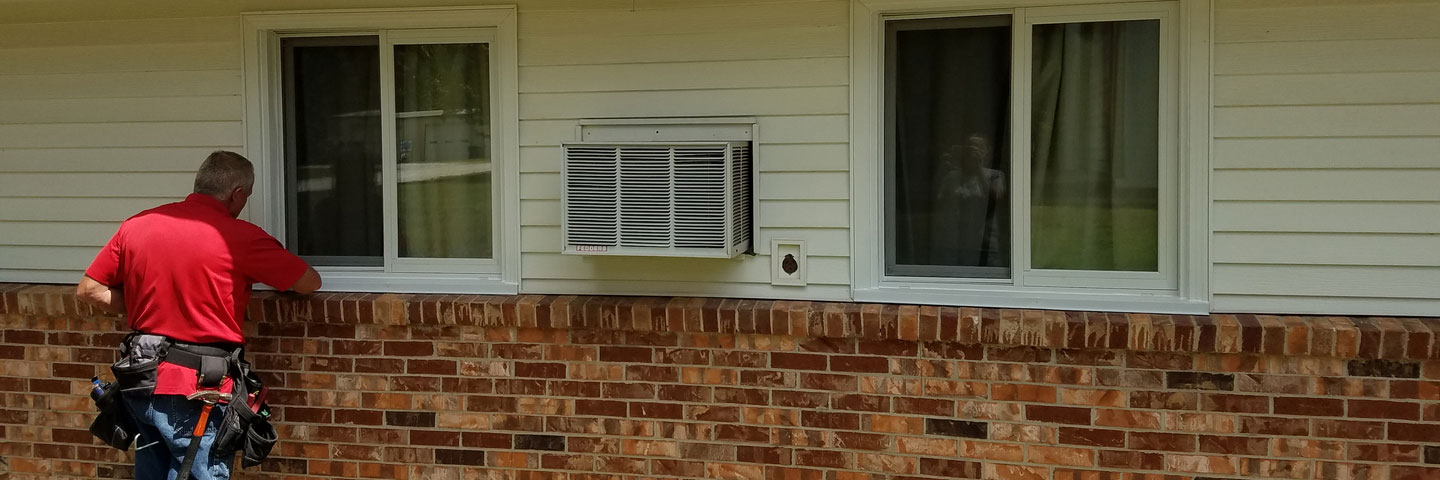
[(1095, 146), (442, 103), (947, 165), (332, 149)]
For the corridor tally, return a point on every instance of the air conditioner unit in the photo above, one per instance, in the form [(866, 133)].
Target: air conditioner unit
[(672, 199)]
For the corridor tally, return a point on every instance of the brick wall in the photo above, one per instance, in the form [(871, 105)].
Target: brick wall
[(395, 386)]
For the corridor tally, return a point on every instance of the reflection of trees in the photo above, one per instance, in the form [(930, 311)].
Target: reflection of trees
[(452, 79)]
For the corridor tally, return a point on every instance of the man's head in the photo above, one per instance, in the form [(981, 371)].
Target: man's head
[(228, 177)]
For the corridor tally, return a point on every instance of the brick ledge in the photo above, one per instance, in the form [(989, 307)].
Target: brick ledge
[(1325, 336)]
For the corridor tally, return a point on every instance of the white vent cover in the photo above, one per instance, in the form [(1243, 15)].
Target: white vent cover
[(657, 199)]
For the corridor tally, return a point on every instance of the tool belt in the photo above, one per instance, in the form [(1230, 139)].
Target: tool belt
[(245, 425)]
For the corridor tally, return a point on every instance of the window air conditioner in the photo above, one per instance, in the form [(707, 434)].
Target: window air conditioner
[(690, 199)]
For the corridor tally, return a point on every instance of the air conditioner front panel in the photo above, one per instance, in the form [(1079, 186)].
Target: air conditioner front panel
[(671, 199)]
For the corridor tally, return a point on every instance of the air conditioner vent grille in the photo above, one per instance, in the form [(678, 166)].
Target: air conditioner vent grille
[(658, 199)]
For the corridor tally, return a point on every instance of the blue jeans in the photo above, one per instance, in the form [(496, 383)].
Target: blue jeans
[(167, 423)]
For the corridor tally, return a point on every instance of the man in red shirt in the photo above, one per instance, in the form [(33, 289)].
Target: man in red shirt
[(184, 271)]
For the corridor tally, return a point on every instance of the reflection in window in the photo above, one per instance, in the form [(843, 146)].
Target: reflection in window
[(948, 169), (332, 149), (442, 103)]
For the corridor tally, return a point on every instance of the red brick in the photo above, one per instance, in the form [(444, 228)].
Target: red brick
[(409, 349), (1228, 445), (859, 364), (1413, 432), (1219, 402), (1384, 409), (798, 361), (1316, 407), (1170, 442), (1093, 437)]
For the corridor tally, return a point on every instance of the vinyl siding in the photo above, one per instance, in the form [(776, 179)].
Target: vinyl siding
[(99, 120), (1326, 182), (104, 118)]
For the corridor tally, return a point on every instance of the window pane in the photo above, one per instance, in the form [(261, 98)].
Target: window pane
[(1095, 158), (332, 149), (442, 108), (947, 127)]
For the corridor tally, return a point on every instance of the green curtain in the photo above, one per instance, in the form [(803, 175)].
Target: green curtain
[(1095, 146)]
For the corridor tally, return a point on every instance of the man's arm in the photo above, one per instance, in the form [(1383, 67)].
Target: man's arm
[(110, 300), (308, 282)]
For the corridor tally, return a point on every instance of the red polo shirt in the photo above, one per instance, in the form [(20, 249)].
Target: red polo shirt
[(186, 269)]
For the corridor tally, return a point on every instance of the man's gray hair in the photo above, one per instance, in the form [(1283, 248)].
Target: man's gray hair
[(222, 173)]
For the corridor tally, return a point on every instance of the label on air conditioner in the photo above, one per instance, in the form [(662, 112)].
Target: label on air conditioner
[(591, 248)]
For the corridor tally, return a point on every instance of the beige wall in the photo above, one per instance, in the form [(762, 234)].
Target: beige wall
[(1327, 122), (1327, 157)]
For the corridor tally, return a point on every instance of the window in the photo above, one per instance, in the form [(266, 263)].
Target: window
[(1026, 157), (384, 149)]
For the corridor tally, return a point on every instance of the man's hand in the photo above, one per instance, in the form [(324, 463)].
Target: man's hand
[(110, 300), (308, 283)]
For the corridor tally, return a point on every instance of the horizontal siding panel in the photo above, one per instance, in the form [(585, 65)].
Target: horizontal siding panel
[(1333, 185), (743, 269), (820, 242), (152, 184), (1407, 55), (40, 276), (700, 17), (546, 133), (122, 58), (152, 134), (755, 101), (180, 159), (47, 257), (1327, 249), (1335, 305), (684, 289), (75, 209), (541, 158), (831, 157), (76, 234), (96, 110), (1317, 280), (1323, 217), (121, 84), (540, 186), (1326, 121), (796, 72), (804, 186), (823, 242), (1352, 20), (539, 212), (121, 32), (773, 43), (804, 129), (804, 214), (1327, 89), (1403, 152)]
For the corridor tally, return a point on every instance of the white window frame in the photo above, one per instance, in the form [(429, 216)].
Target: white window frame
[(1181, 285), (264, 137)]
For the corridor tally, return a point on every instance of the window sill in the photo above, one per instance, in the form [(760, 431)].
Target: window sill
[(1007, 296), (351, 280)]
